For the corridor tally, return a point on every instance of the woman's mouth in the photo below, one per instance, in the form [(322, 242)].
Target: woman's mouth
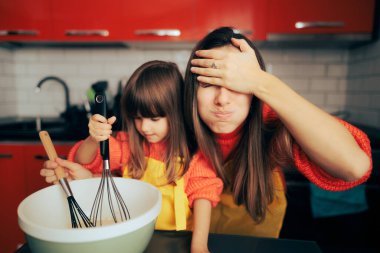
[(222, 114)]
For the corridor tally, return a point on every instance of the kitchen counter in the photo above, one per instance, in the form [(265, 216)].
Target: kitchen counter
[(179, 242), (27, 128)]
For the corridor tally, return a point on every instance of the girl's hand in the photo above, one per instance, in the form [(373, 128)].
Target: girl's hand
[(48, 172), (73, 170), (100, 128), (236, 68)]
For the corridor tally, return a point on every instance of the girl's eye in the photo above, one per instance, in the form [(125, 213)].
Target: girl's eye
[(155, 119)]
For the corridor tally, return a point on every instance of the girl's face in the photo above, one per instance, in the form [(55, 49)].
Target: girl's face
[(152, 129), (222, 110)]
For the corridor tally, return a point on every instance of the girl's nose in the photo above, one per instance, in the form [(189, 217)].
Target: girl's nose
[(222, 96), (145, 125)]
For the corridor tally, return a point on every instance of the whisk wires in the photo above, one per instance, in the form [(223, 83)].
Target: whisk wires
[(107, 184), (78, 218)]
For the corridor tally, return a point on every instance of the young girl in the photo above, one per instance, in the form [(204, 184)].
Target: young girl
[(153, 148)]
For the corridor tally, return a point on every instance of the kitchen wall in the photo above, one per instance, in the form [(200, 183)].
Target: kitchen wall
[(327, 77), (363, 85), (8, 94)]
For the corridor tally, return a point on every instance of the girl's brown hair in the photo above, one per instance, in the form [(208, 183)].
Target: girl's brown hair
[(254, 156), (155, 89)]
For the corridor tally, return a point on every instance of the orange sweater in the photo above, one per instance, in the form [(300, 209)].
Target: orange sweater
[(200, 179)]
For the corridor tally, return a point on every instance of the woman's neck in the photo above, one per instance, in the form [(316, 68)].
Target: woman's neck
[(228, 141)]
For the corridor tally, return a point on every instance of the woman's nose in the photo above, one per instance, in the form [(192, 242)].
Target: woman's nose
[(222, 96)]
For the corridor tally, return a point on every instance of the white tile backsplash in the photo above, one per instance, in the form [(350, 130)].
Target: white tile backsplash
[(311, 70), (298, 56), (329, 56), (334, 79), (300, 85), (363, 84), (336, 99), (337, 70), (324, 84)]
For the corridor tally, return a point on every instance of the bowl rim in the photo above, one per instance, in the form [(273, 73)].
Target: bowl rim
[(70, 235)]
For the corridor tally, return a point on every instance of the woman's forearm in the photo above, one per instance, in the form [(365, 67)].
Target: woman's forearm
[(86, 152), (323, 138)]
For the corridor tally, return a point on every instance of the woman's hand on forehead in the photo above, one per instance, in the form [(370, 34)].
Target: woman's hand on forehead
[(235, 68)]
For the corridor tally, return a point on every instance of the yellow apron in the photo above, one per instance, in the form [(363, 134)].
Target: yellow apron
[(229, 218), (175, 212)]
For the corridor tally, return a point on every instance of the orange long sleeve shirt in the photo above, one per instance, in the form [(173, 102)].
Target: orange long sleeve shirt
[(201, 181)]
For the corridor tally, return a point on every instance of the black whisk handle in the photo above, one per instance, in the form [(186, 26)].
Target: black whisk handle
[(101, 108), (101, 104), (104, 151)]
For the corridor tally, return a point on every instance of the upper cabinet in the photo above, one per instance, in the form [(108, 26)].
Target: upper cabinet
[(119, 20), (25, 20), (186, 20), (164, 20), (85, 20), (304, 17), (211, 14)]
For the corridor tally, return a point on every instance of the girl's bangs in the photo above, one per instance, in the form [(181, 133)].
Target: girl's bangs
[(145, 104)]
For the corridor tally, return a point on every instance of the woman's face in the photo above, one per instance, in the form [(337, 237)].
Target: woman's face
[(222, 110)]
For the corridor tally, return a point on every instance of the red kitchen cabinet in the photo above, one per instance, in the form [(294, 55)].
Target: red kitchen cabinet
[(243, 15), (20, 164), (320, 17), (12, 192), (86, 20), (101, 20), (25, 20), (34, 157), (164, 20)]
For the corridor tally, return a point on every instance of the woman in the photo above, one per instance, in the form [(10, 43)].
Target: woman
[(248, 124)]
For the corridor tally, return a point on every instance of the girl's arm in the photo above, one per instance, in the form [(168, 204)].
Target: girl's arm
[(201, 218), (100, 129), (323, 138)]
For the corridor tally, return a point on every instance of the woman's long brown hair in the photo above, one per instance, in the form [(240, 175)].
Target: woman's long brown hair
[(254, 157), (155, 89)]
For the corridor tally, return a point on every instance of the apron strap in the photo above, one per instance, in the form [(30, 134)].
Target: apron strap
[(180, 205)]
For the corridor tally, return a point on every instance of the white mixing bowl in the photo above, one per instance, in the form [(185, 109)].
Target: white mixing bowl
[(45, 219)]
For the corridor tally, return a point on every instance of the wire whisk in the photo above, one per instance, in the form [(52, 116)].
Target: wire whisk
[(117, 206), (78, 217)]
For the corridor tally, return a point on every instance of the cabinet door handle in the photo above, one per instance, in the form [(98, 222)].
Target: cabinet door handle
[(318, 24), (6, 156), (41, 157), (159, 32), (45, 157), (244, 32), (101, 33), (18, 33)]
